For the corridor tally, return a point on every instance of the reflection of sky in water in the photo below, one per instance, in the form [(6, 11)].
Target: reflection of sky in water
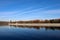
[(28, 33)]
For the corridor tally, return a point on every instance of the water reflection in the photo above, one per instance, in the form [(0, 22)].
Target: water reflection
[(38, 27), (52, 28), (35, 27), (29, 33)]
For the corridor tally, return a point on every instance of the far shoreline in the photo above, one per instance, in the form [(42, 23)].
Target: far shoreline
[(35, 24)]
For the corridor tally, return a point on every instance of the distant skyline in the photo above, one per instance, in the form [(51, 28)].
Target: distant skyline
[(29, 9)]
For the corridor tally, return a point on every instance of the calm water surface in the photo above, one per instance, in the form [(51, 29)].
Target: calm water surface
[(24, 33)]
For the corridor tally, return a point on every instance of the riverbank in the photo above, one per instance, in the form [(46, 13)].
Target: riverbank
[(36, 24)]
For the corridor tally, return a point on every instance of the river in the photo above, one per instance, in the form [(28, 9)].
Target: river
[(29, 33)]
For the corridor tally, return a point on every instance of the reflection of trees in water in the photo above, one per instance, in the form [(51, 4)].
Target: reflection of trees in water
[(52, 28), (38, 27)]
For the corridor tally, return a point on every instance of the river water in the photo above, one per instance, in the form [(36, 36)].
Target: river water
[(29, 33)]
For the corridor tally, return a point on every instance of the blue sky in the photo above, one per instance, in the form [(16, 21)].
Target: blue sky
[(29, 9)]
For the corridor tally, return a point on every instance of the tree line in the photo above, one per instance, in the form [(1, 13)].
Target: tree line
[(39, 21)]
